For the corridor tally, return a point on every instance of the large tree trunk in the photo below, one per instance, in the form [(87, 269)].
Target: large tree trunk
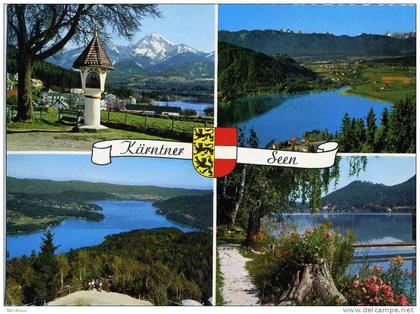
[(312, 279), (25, 109), (239, 197), (254, 223)]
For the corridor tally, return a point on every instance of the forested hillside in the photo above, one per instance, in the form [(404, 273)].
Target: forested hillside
[(361, 195), (53, 76), (163, 266), (243, 71), (196, 210), (116, 191)]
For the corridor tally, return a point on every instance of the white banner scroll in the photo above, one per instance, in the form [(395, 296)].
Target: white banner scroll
[(102, 153), (323, 158)]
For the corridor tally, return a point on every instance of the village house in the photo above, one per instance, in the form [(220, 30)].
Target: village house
[(37, 83), (132, 100)]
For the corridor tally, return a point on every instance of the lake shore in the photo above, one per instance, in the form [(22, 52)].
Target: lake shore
[(281, 117), (119, 217)]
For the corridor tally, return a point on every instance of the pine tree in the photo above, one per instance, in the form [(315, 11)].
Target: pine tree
[(359, 135), (403, 119), (46, 270), (345, 136), (383, 133), (371, 128)]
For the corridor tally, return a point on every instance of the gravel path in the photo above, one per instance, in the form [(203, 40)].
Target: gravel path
[(93, 297), (238, 288)]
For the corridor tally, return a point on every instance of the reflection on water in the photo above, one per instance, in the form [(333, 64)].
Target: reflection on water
[(280, 117), (247, 107), (368, 227)]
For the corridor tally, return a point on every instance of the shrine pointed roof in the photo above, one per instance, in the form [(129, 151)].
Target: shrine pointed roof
[(94, 55)]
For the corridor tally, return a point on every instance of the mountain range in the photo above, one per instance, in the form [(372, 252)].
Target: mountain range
[(153, 55), (322, 46), (364, 195)]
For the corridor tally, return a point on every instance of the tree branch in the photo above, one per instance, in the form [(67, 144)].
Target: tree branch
[(60, 45)]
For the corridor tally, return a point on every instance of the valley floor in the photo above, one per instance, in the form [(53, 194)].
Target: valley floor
[(238, 288), (93, 297)]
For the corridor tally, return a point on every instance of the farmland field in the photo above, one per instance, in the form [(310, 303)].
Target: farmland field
[(386, 83)]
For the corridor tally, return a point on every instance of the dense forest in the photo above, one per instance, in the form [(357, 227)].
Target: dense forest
[(41, 186), (244, 71), (366, 194), (396, 132), (318, 46), (196, 210), (53, 76), (163, 266)]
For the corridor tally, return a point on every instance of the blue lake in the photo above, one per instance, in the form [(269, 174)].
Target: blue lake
[(280, 117), (197, 106), (120, 216)]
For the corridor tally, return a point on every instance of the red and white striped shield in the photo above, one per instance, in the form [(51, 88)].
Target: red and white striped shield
[(214, 151)]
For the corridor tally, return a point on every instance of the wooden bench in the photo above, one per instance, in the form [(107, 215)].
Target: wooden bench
[(72, 116)]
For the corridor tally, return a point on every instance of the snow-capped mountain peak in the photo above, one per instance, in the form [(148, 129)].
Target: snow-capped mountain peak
[(182, 48), (157, 48), (151, 53), (153, 46), (113, 46)]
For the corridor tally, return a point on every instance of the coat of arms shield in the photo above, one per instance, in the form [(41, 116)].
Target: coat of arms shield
[(214, 151)]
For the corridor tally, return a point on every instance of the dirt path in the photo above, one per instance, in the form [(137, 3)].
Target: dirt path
[(238, 288), (94, 297)]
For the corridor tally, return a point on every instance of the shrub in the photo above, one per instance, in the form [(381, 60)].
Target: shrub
[(373, 286), (273, 272), (320, 243)]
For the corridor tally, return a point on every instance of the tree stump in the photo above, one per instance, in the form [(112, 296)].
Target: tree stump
[(312, 279)]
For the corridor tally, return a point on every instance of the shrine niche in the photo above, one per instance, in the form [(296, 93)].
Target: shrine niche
[(93, 80)]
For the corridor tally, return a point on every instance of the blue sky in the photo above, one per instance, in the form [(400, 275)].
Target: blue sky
[(336, 19), (385, 170), (132, 171), (187, 24)]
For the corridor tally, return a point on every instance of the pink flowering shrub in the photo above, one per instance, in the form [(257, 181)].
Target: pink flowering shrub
[(394, 287)]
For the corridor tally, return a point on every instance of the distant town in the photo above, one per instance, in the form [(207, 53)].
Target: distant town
[(74, 100)]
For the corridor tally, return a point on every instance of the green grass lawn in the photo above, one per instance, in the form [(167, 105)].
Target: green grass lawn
[(152, 122), (49, 123), (386, 83)]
